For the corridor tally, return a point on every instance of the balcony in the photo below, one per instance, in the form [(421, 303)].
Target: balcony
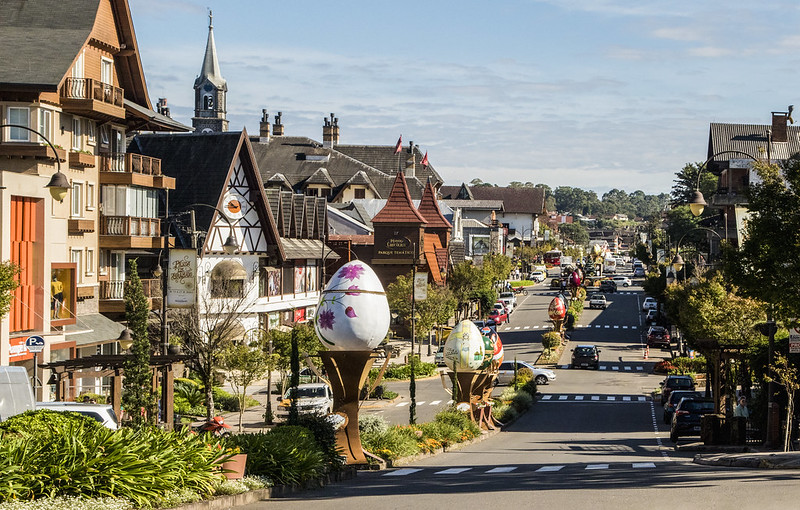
[(92, 98), (130, 232), (31, 150), (725, 197), (112, 293), (133, 169)]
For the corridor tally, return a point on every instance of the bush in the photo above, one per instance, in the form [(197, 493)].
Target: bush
[(522, 400), (460, 420), (504, 412), (530, 388), (372, 424), (224, 401), (662, 367), (324, 435), (684, 365), (401, 372), (523, 376), (394, 443), (443, 433), (551, 340)]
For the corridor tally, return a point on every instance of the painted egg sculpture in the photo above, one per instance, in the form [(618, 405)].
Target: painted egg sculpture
[(488, 351), (576, 279), (464, 349), (499, 354), (353, 312), (557, 310)]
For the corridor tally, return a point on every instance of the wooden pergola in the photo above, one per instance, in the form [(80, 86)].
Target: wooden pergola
[(723, 352), (112, 365)]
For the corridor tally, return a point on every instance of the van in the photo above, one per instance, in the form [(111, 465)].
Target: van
[(16, 394)]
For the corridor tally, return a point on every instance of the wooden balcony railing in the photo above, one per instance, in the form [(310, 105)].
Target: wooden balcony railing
[(115, 289), (130, 226), (88, 88), (130, 163)]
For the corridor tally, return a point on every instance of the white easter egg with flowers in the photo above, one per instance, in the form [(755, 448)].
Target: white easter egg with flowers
[(353, 312), (464, 349)]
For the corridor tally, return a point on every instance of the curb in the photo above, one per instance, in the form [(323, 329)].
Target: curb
[(753, 461), (245, 498)]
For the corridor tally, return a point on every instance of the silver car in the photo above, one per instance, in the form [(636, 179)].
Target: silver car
[(102, 413), (540, 375)]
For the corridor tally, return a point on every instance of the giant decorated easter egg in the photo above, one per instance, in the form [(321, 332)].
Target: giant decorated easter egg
[(498, 354), (557, 309), (464, 349), (353, 312)]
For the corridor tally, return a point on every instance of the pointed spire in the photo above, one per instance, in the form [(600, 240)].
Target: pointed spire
[(399, 208), (429, 208), (210, 69)]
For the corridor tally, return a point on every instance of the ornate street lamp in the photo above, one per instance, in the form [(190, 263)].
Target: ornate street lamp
[(59, 184), (698, 203)]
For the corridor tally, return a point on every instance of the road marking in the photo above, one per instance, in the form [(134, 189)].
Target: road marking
[(597, 325), (452, 471), (627, 368), (634, 327), (536, 327), (611, 398), (402, 472), (562, 397), (505, 469), (655, 429), (578, 397), (626, 399), (401, 404), (616, 327), (638, 465), (597, 466), (516, 328), (435, 402), (607, 326), (547, 397), (615, 368), (603, 367), (420, 402), (527, 327), (549, 469), (449, 402), (595, 397), (640, 368), (564, 366), (642, 399), (624, 327)]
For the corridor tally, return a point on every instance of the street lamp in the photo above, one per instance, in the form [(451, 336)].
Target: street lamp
[(677, 262), (126, 339), (698, 203), (59, 184)]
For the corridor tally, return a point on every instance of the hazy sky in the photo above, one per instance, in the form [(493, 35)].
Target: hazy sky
[(597, 94)]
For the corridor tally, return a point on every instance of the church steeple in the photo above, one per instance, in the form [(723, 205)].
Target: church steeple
[(210, 90)]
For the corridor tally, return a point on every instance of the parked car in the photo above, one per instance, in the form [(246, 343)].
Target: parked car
[(675, 382), (508, 299), (438, 358), (673, 400), (598, 300), (622, 280), (101, 413), (313, 398), (585, 356), (505, 373), (651, 317), (608, 286), (686, 419), (498, 316), (638, 272), (649, 303), (538, 276), (657, 336)]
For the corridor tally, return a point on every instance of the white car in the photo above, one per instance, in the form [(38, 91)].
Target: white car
[(538, 276), (509, 300), (101, 413), (649, 304), (622, 280), (312, 398), (540, 375)]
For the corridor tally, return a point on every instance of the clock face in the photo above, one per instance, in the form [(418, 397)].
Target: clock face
[(233, 206)]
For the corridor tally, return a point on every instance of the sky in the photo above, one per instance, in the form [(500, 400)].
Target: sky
[(595, 94)]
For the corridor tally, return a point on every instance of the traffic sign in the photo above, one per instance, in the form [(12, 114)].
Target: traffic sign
[(794, 340), (34, 344)]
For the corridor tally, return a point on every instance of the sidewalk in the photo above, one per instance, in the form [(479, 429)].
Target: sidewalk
[(753, 460)]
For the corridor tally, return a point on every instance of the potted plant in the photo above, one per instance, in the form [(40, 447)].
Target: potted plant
[(233, 466)]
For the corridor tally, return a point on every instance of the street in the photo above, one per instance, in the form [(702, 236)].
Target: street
[(594, 438)]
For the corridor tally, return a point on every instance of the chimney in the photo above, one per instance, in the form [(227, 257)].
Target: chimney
[(162, 108), (330, 132), (263, 127), (410, 167), (779, 131), (277, 128)]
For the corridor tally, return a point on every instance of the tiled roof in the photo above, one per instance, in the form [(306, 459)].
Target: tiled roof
[(489, 205), (432, 245), (750, 139), (321, 176), (399, 208), (383, 158), (515, 200), (430, 209)]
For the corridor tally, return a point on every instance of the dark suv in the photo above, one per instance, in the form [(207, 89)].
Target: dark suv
[(658, 336), (686, 420), (585, 356), (675, 382), (674, 399)]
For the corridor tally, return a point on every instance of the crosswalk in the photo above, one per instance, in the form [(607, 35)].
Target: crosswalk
[(612, 368), (594, 398), (508, 327), (547, 468)]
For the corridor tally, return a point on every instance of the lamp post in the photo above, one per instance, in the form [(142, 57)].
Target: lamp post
[(59, 184), (698, 203), (412, 385), (678, 262)]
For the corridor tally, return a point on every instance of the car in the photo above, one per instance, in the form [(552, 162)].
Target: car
[(675, 382), (102, 413), (651, 317), (508, 299), (622, 280), (598, 300), (498, 316), (620, 262), (505, 374), (638, 272), (538, 276), (585, 356), (438, 358), (674, 398), (649, 303), (657, 336), (608, 286), (687, 416), (312, 398)]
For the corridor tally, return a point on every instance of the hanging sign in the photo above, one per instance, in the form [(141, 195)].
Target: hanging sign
[(794, 340), (421, 286), (182, 278)]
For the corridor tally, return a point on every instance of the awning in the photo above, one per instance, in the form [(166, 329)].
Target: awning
[(155, 121), (93, 328), (306, 249), (229, 269)]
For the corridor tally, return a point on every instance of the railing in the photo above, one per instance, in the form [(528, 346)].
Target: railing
[(130, 226), (88, 88), (130, 163), (115, 289)]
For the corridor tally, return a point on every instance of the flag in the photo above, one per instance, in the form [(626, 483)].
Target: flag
[(399, 145), (424, 161)]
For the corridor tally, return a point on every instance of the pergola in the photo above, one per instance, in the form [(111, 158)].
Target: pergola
[(723, 353), (112, 365)]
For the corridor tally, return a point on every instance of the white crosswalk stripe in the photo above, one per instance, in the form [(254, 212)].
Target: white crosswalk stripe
[(595, 397), (403, 472), (624, 327), (640, 368), (504, 469), (639, 465), (547, 397), (578, 397), (603, 367), (611, 398), (401, 404), (597, 466), (615, 368), (626, 399), (616, 327), (607, 326), (516, 328), (562, 397), (642, 399), (527, 327), (435, 402), (452, 471), (549, 469), (627, 368), (420, 402)]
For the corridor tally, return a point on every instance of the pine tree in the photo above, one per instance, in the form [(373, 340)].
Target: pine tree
[(137, 393)]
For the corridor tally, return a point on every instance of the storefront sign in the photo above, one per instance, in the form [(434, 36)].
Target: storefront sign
[(396, 247), (182, 279), (421, 286)]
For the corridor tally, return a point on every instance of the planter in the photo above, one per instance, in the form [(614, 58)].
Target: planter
[(233, 468), (81, 160)]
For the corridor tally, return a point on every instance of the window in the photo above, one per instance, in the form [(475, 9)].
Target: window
[(89, 262), (103, 262), (360, 193), (77, 199), (75, 258), (19, 116), (76, 134), (45, 124), (106, 71), (77, 68), (325, 192), (104, 136), (89, 196), (208, 102), (91, 138)]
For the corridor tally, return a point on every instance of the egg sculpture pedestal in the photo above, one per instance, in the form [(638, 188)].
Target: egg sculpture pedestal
[(465, 353), (352, 319)]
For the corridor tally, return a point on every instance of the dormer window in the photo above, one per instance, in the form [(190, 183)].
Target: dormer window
[(107, 71)]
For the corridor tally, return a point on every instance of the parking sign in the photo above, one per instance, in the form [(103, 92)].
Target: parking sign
[(34, 344)]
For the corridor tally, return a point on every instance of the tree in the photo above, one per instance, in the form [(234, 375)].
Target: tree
[(244, 366), (307, 343), (786, 375), (686, 182), (436, 309), (138, 398), (8, 284), (575, 232)]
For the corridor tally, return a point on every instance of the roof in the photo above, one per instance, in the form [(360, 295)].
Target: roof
[(210, 70), (306, 249), (750, 139), (515, 200), (154, 121), (430, 209), (488, 205), (432, 245), (399, 208), (40, 39), (383, 158), (93, 328)]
